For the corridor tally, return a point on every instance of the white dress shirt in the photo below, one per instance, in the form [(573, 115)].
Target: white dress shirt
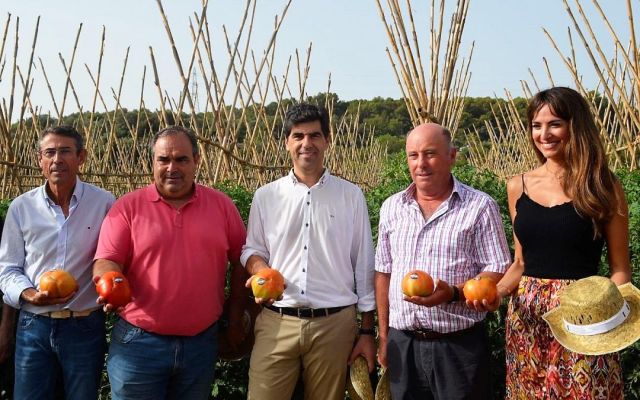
[(319, 238), (37, 237)]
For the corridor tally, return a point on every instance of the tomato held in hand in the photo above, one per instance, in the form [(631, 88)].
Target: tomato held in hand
[(417, 283), (480, 288), (58, 283), (268, 283), (114, 288)]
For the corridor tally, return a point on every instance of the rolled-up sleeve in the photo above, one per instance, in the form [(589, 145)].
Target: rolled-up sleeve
[(13, 281), (362, 256), (492, 251), (384, 260), (256, 239), (114, 243)]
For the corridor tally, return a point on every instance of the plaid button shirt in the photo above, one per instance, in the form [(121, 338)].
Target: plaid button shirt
[(462, 238)]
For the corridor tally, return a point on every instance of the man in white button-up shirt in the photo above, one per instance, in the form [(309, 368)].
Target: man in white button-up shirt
[(314, 228), (55, 226)]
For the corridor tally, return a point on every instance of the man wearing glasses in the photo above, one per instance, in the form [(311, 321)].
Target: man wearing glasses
[(55, 226)]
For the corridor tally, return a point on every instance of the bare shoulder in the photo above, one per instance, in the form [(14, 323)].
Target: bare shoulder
[(514, 184), (620, 196)]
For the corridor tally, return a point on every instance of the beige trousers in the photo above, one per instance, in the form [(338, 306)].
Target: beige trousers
[(284, 344)]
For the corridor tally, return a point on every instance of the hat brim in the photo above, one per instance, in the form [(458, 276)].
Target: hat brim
[(383, 389), (359, 380), (616, 339)]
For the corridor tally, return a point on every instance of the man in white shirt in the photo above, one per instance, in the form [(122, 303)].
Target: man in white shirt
[(55, 226), (314, 228)]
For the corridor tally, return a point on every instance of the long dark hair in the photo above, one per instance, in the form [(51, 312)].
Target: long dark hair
[(588, 181)]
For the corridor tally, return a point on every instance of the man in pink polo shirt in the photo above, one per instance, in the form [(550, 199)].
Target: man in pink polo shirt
[(173, 240)]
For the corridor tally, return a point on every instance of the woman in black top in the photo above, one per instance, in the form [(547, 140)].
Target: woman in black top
[(563, 212)]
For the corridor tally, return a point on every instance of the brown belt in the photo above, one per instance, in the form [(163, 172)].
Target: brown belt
[(428, 334), (61, 314)]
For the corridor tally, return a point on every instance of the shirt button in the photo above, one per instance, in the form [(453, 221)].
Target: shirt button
[(303, 270), (308, 203), (309, 192), (305, 247), (302, 292), (307, 224)]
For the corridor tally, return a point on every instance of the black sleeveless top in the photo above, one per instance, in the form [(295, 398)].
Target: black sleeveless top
[(557, 243)]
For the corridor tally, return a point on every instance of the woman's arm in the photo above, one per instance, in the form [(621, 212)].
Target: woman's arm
[(616, 234)]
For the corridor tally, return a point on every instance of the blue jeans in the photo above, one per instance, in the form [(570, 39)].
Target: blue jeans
[(144, 365), (69, 350)]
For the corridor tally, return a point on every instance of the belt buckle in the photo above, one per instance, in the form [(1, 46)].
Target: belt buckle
[(60, 314), (424, 334), (301, 310)]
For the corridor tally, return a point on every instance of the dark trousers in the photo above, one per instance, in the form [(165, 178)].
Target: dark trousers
[(455, 367)]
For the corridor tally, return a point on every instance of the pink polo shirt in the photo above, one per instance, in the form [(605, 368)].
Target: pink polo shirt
[(175, 259)]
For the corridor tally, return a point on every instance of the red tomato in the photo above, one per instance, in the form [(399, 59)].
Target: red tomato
[(417, 283), (268, 283), (479, 288), (114, 288)]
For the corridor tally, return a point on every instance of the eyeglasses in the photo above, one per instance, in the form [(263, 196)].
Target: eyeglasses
[(63, 152)]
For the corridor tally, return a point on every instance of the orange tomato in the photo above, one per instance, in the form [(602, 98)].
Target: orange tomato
[(114, 288), (417, 283), (268, 283), (58, 283), (480, 288)]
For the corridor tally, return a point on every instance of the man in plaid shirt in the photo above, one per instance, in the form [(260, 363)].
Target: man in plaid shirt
[(436, 346)]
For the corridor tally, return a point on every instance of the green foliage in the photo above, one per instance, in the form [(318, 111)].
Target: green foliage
[(394, 144), (4, 206), (241, 197)]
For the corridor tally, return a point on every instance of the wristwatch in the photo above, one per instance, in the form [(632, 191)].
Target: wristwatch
[(365, 331), (456, 294)]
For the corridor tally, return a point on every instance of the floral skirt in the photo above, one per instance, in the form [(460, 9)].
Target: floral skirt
[(538, 367)]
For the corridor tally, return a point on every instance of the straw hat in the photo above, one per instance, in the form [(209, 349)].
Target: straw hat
[(595, 316), (359, 384), (383, 390)]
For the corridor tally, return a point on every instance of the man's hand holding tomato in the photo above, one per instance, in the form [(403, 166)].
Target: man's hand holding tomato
[(482, 294), (113, 288), (43, 298), (56, 287), (100, 268), (443, 293), (256, 265)]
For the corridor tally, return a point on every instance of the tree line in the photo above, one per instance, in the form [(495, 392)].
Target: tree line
[(389, 117)]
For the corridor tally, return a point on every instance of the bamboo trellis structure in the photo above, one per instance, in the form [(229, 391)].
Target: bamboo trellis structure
[(615, 101), (437, 94), (240, 139)]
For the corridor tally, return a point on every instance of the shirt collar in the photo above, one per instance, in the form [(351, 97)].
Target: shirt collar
[(408, 195), (78, 191), (321, 182), (153, 195)]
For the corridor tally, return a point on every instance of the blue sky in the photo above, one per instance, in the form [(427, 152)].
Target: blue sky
[(347, 35)]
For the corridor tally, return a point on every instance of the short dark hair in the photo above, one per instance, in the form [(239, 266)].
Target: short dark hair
[(176, 130), (66, 131), (306, 112)]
